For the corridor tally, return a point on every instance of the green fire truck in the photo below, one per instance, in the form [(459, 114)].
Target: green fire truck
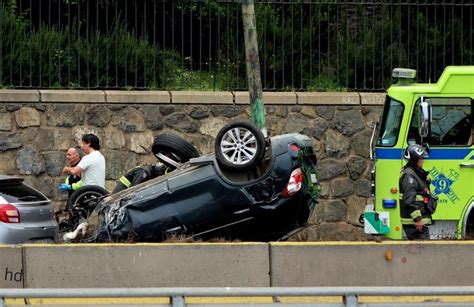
[(440, 117)]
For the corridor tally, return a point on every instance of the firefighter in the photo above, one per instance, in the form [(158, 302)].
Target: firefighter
[(140, 174), (417, 204)]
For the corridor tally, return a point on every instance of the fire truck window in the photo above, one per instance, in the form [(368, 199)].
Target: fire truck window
[(451, 122), (391, 121)]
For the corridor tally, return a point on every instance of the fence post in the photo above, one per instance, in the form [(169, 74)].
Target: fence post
[(350, 300), (253, 65), (176, 301)]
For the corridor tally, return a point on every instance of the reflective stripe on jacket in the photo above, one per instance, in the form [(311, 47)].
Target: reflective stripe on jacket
[(413, 198)]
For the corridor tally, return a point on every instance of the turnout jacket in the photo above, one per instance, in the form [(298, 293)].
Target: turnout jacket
[(416, 201), (74, 181), (141, 174)]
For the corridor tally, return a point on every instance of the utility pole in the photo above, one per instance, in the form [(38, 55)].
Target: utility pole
[(253, 65)]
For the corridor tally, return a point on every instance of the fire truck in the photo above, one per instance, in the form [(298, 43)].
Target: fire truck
[(440, 117)]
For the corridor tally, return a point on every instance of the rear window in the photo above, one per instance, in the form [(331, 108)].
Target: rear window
[(20, 192)]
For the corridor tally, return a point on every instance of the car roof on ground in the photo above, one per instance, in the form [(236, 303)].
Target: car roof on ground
[(5, 178)]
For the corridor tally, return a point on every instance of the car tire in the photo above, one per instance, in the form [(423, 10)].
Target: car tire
[(81, 197), (173, 150), (239, 146)]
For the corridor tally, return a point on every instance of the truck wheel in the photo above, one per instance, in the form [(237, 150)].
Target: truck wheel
[(173, 150), (239, 146), (469, 234)]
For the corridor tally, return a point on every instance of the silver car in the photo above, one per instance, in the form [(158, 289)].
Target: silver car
[(26, 215)]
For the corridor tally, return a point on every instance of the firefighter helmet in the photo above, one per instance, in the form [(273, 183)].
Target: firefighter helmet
[(414, 152), (159, 169)]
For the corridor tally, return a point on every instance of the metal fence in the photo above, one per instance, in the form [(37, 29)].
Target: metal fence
[(178, 295), (160, 44)]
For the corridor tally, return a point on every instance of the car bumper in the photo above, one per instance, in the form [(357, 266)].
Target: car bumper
[(17, 234)]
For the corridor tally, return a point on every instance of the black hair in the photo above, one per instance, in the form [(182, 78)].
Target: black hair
[(92, 140)]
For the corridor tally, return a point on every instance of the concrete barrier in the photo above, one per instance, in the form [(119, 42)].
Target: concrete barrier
[(72, 96), (372, 264), (328, 98), (324, 264), (138, 97), (147, 265), (11, 267), (281, 98), (201, 97)]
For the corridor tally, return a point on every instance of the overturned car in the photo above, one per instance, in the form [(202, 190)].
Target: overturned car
[(250, 189)]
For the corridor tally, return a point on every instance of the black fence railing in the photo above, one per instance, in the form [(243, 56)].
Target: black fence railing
[(159, 44)]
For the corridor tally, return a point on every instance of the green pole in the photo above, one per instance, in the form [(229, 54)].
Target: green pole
[(253, 65)]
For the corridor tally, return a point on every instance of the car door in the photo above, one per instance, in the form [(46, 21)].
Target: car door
[(451, 156), (204, 201)]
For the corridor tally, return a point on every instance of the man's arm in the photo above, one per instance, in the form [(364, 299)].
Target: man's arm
[(139, 176), (76, 170)]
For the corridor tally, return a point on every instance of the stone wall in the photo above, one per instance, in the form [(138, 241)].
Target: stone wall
[(37, 127)]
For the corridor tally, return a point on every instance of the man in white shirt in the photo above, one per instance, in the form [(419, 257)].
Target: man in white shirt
[(92, 166)]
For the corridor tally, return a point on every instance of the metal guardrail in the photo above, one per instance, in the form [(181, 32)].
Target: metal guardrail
[(197, 44), (350, 294)]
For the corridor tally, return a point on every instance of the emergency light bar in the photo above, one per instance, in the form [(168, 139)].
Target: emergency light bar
[(404, 73)]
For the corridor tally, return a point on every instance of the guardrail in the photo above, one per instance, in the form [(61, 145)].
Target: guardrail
[(194, 44), (349, 294)]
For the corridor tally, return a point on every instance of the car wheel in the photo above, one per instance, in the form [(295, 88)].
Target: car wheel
[(84, 199), (239, 146), (173, 150)]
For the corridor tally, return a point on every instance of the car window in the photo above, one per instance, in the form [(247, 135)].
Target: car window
[(451, 123), (20, 192)]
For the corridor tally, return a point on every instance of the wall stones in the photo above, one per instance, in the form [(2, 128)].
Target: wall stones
[(326, 112), (98, 116), (114, 138), (30, 162), (141, 142), (167, 110), (363, 188), (129, 120), (231, 111), (337, 146), (153, 118), (296, 122), (5, 121), (211, 126), (199, 112), (360, 143), (355, 207), (334, 210), (330, 168), (27, 117), (356, 166), (342, 187), (7, 164), (54, 162), (34, 138), (349, 121), (9, 140), (181, 122), (65, 115)]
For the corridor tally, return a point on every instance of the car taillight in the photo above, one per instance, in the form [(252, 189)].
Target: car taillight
[(294, 147), (294, 184), (9, 214)]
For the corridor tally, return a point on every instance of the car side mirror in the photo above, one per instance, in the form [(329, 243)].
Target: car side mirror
[(424, 126)]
